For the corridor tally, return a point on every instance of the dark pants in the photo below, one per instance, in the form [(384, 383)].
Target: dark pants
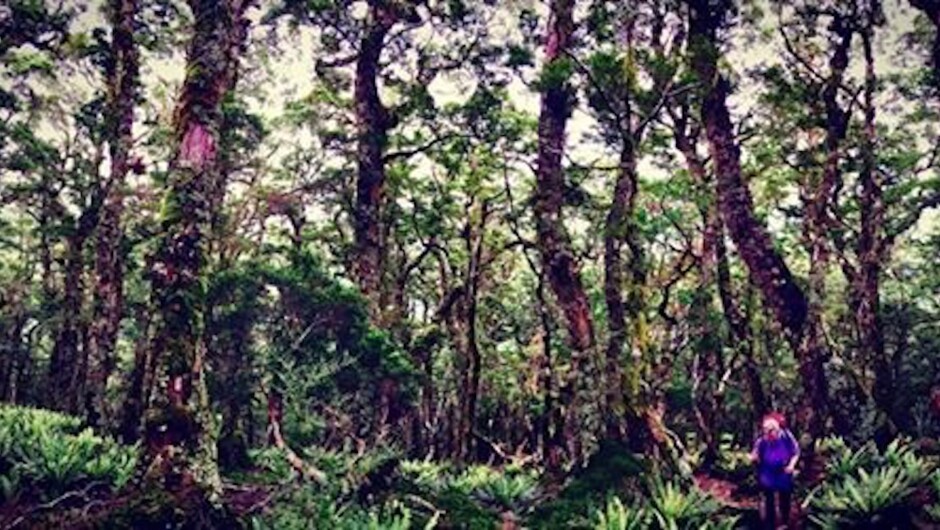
[(770, 507)]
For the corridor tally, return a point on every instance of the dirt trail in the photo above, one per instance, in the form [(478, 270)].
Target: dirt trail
[(728, 493)]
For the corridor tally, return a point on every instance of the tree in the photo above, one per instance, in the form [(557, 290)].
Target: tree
[(373, 121), (179, 429), (123, 70), (931, 9), (768, 271), (871, 246), (557, 257)]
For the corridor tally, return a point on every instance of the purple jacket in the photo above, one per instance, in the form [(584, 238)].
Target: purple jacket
[(773, 455)]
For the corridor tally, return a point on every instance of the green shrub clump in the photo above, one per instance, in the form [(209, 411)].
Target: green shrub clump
[(44, 453), (668, 506), (475, 497), (865, 488)]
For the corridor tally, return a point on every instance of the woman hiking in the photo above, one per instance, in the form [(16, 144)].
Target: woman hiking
[(776, 453)]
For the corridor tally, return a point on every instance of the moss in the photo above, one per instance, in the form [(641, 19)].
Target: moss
[(461, 512), (157, 509), (612, 469)]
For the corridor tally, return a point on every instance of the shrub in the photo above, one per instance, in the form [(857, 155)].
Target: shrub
[(474, 497), (876, 493), (864, 500), (47, 453), (309, 509), (515, 493), (669, 507), (734, 462), (674, 507), (933, 510), (616, 516), (427, 475), (613, 469)]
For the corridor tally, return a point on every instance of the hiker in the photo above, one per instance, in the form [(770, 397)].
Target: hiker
[(776, 453)]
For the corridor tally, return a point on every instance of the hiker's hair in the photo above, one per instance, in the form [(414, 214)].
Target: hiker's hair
[(777, 417)]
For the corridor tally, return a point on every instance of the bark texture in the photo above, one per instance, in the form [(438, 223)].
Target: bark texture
[(373, 121), (766, 267), (555, 246), (68, 363), (108, 302), (178, 428), (616, 233), (872, 247)]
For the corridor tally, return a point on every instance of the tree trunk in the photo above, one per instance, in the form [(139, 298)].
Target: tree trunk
[(715, 252), (109, 262), (739, 325), (871, 251), (821, 192), (618, 225), (141, 378), (63, 369), (69, 362), (472, 363), (557, 256), (767, 269), (229, 342), (710, 365), (13, 319), (372, 123), (179, 430)]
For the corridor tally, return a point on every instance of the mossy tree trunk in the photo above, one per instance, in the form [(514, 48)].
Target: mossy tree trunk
[(686, 132), (108, 302), (768, 271), (554, 243), (179, 432), (373, 122), (68, 363), (872, 247)]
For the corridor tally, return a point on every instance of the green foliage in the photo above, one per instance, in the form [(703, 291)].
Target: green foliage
[(476, 495), (24, 62), (864, 499), (555, 75), (616, 516), (868, 489), (273, 464), (158, 508), (514, 493), (734, 462), (612, 469), (933, 510), (674, 507), (845, 460), (306, 509), (49, 453), (669, 506), (427, 474)]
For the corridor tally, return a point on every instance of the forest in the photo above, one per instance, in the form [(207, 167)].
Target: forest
[(469, 264)]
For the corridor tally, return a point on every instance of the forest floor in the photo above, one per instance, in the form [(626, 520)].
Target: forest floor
[(731, 494)]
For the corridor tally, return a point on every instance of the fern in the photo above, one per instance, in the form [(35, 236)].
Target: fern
[(616, 516), (870, 497), (515, 492), (51, 452)]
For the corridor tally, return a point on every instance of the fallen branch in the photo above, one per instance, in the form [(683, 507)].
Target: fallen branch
[(77, 494), (268, 500), (306, 470)]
